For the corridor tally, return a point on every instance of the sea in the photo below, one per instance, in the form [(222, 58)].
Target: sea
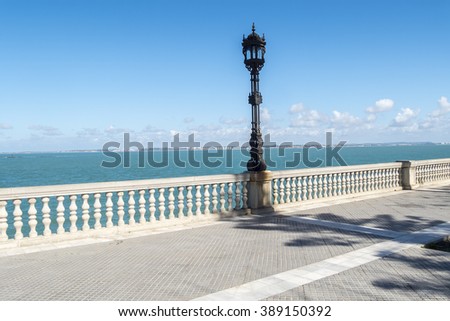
[(34, 169)]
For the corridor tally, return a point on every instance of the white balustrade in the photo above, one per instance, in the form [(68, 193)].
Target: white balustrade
[(293, 186), (66, 210)]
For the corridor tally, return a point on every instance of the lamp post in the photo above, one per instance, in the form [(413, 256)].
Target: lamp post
[(254, 48)]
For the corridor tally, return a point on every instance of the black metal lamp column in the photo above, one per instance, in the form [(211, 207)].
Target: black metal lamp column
[(254, 48)]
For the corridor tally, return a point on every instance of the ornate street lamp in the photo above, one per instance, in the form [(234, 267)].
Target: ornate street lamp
[(254, 48)]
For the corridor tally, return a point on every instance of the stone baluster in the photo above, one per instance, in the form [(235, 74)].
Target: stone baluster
[(304, 188), (18, 219), (349, 183), (214, 199), (319, 186), (383, 176), (275, 191), (120, 209), (299, 189), (309, 185), (372, 180), (73, 214), (339, 184), (152, 205), (181, 202), (142, 210), (131, 210), (281, 191), (206, 201), (288, 190), (97, 211), (380, 179), (32, 217), (162, 205), (314, 187), (394, 178), (333, 185), (352, 182), (344, 184), (325, 185), (198, 201), (4, 221), (46, 216), (377, 179), (189, 202), (109, 210), (364, 181), (398, 177), (244, 196), (60, 215), (237, 199), (85, 212), (171, 203), (230, 197), (359, 182), (222, 197), (294, 189)]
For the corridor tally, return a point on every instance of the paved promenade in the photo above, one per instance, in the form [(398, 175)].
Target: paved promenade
[(367, 249)]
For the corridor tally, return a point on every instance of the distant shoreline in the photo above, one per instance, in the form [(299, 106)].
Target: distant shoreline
[(394, 144)]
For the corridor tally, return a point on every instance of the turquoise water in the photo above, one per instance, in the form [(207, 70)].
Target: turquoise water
[(69, 168)]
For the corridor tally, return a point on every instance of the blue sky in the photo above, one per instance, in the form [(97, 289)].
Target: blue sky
[(77, 74)]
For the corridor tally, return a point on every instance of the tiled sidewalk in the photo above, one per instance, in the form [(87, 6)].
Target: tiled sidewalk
[(240, 254)]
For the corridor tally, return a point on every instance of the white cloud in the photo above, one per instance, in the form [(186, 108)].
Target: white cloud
[(5, 126), (381, 105), (265, 115), (306, 118), (89, 132), (188, 120), (46, 130), (116, 130), (405, 120), (371, 117), (344, 119), (296, 108), (444, 107), (405, 116), (443, 101)]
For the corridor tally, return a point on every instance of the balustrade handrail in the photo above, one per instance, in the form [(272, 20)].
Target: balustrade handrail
[(431, 161), (333, 169), (115, 186)]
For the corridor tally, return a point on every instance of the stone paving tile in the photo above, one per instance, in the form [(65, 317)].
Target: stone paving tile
[(406, 211), (413, 274), (174, 266)]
